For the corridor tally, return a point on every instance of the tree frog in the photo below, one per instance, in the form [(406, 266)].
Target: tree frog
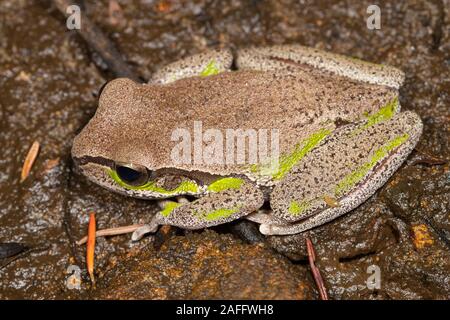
[(340, 137)]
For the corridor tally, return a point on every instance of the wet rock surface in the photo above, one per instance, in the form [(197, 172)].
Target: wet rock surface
[(205, 266), (49, 80)]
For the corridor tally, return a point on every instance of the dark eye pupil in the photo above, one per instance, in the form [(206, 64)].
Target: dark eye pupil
[(129, 175)]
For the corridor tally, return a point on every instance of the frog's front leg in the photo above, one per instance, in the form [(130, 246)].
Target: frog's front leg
[(339, 175), (292, 57), (227, 200), (152, 227), (206, 63)]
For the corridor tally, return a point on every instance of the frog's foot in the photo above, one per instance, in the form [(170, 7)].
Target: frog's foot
[(269, 225), (203, 64), (289, 57), (342, 173), (140, 232)]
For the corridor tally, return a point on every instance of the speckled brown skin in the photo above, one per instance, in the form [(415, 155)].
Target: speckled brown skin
[(294, 89), (288, 57), (146, 115), (324, 167), (193, 66)]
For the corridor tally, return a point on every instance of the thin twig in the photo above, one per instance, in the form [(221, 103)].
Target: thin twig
[(22, 255), (427, 159), (97, 40), (10, 249), (112, 232), (315, 271)]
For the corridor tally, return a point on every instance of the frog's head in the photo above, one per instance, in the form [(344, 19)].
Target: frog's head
[(121, 147)]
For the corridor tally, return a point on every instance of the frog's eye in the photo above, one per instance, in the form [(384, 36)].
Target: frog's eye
[(131, 174)]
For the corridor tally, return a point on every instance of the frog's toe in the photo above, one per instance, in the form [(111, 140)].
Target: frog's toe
[(343, 172), (261, 216), (269, 225), (140, 232), (203, 64)]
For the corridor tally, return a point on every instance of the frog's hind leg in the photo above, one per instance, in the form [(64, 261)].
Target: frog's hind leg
[(342, 173), (207, 63), (290, 57)]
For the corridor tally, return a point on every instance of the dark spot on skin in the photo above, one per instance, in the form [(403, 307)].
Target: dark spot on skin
[(341, 122), (170, 182)]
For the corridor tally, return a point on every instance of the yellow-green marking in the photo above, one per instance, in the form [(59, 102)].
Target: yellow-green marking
[(356, 176), (183, 187), (296, 208), (225, 184), (385, 113), (216, 214), (210, 69), (300, 150), (169, 207)]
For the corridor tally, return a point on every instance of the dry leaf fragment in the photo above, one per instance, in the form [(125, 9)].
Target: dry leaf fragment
[(29, 160), (11, 249), (50, 164), (23, 76), (163, 6)]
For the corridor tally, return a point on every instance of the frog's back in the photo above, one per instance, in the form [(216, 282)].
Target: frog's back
[(297, 104), (256, 99)]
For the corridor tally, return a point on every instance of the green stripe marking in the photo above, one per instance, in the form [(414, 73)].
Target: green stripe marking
[(356, 176), (384, 114), (169, 207), (216, 214), (210, 69), (225, 184), (300, 150), (183, 187), (220, 213), (296, 208)]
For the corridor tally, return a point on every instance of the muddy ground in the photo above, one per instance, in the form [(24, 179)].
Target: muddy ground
[(49, 80)]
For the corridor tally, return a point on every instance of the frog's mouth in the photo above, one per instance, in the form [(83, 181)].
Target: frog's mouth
[(107, 163), (141, 182)]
